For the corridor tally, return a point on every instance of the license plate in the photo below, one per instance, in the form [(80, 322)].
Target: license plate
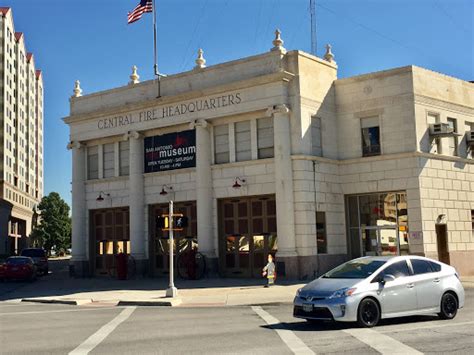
[(307, 307)]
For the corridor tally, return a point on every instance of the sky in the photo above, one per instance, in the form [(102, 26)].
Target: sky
[(90, 40)]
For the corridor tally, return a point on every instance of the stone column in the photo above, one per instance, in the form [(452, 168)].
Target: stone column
[(79, 265), (204, 194), (284, 190), (137, 202)]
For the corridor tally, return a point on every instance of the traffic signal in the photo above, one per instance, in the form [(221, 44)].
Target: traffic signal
[(162, 222), (181, 222)]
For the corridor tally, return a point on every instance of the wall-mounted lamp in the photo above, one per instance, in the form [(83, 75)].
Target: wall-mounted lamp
[(238, 183), (100, 197), (165, 189), (441, 219)]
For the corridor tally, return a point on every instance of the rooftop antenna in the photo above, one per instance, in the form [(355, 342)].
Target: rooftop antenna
[(312, 9)]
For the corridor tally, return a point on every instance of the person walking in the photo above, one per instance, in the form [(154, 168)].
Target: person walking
[(269, 271)]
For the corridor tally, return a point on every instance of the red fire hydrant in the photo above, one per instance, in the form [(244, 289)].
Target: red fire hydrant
[(122, 266)]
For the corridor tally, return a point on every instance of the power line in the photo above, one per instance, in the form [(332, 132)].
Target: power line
[(191, 40), (312, 10), (381, 35), (457, 24)]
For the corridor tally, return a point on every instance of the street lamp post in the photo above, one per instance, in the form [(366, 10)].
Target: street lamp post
[(171, 291)]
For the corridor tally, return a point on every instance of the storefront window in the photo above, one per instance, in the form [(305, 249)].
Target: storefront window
[(321, 237), (378, 224), (221, 144), (265, 137)]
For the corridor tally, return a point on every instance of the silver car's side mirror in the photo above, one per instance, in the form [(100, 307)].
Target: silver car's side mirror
[(388, 278)]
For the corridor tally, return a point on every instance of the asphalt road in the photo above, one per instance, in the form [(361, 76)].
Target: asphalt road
[(59, 329)]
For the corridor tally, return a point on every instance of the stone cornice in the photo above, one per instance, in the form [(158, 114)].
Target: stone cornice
[(169, 100), (427, 100), (382, 157)]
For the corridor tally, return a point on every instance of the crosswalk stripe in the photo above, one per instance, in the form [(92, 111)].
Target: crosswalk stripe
[(295, 344), (381, 342), (95, 339)]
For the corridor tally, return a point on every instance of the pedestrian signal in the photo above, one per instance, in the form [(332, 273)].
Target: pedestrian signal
[(181, 222)]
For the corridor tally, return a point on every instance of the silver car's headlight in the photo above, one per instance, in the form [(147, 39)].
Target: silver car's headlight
[(344, 292)]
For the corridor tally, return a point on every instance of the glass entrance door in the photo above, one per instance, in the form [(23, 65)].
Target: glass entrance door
[(379, 241)]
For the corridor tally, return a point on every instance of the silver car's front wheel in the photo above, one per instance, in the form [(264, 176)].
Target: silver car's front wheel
[(368, 314), (449, 306)]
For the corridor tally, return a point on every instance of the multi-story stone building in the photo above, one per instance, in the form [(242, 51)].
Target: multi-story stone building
[(274, 154), (21, 137)]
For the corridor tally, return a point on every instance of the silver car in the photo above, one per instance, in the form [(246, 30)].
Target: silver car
[(367, 289)]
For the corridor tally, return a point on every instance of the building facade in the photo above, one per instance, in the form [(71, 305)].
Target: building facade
[(21, 137), (274, 154)]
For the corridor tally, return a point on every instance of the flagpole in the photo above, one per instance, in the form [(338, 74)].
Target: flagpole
[(155, 66)]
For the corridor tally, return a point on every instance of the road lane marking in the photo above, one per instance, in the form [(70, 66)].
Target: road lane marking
[(57, 311), (295, 344), (381, 342), (95, 339), (423, 326)]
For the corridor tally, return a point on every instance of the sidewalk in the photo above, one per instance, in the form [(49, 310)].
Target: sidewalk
[(58, 287), (151, 292)]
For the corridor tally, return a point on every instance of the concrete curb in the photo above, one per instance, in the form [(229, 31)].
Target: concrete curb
[(58, 301), (167, 303)]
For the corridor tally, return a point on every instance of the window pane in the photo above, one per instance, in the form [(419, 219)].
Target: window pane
[(321, 232), (397, 270), (265, 138), (109, 160), (221, 144), (124, 158), (420, 266), (93, 162), (370, 141), (243, 141)]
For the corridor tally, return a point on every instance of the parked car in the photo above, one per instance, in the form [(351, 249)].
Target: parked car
[(20, 268), (372, 288), (40, 258)]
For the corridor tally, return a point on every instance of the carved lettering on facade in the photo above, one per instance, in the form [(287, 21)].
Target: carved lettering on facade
[(169, 111)]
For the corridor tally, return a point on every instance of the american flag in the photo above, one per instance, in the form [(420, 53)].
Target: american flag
[(142, 7)]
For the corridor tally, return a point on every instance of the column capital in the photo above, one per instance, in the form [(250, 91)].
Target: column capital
[(198, 123), (75, 145), (132, 134), (281, 109)]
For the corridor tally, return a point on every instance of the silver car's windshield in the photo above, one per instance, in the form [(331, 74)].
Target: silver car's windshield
[(355, 269)]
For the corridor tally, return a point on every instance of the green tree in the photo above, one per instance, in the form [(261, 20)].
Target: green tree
[(54, 226)]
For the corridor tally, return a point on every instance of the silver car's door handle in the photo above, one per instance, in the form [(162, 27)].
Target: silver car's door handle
[(436, 280), (411, 285)]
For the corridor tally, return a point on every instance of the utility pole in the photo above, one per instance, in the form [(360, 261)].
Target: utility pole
[(312, 8)]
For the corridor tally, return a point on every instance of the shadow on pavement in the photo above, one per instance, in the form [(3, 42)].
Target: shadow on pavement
[(58, 283), (324, 326)]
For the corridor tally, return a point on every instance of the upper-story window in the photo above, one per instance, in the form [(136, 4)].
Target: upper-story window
[(265, 138), (316, 146), (124, 158), (93, 162), (221, 144), (469, 129), (453, 141), (370, 136), (243, 144), (109, 160), (436, 142)]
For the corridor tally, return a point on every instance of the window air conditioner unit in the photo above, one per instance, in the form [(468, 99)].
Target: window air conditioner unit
[(441, 130), (470, 139)]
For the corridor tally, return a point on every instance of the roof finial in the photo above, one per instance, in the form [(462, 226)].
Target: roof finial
[(200, 61), (329, 56), (77, 89), (134, 76), (278, 42)]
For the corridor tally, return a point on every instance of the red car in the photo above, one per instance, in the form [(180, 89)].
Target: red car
[(19, 268)]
